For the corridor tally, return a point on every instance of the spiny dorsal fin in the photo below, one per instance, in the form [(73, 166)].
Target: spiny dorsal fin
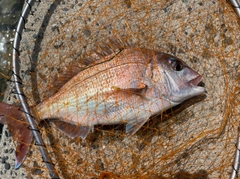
[(107, 50)]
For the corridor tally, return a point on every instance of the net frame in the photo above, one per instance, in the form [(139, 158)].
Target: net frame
[(18, 82)]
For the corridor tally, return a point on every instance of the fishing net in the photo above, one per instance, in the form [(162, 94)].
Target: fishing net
[(196, 139)]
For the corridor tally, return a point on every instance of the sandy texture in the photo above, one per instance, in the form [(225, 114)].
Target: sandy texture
[(196, 139)]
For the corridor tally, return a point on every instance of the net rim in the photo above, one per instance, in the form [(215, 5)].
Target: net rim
[(17, 80)]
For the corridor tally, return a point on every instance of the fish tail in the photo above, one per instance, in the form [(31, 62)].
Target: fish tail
[(15, 118)]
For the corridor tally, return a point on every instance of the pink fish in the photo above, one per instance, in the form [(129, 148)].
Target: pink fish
[(125, 87)]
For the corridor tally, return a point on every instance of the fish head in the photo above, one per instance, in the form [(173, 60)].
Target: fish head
[(181, 81)]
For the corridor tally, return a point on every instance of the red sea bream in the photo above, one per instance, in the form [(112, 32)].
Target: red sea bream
[(124, 87)]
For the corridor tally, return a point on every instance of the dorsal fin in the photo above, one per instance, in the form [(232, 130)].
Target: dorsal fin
[(107, 50)]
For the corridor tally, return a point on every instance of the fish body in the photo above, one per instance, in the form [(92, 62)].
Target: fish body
[(127, 87), (112, 92)]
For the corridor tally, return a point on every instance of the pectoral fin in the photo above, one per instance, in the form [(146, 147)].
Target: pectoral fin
[(134, 126), (73, 130), (140, 90)]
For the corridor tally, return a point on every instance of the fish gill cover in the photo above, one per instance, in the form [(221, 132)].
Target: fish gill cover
[(194, 140)]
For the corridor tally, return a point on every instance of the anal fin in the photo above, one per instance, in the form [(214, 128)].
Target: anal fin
[(73, 130), (135, 125)]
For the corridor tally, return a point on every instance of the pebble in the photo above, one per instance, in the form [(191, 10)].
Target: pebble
[(7, 166)]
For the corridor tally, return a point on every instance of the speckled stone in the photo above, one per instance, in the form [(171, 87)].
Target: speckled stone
[(7, 166)]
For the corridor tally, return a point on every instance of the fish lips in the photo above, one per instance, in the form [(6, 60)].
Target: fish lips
[(195, 84)]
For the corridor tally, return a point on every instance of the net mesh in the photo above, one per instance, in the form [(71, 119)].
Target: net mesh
[(194, 140)]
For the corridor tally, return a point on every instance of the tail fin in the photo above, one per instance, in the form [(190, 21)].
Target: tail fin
[(18, 126)]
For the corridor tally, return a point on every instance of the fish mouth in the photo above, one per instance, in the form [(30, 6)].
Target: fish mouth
[(197, 83)]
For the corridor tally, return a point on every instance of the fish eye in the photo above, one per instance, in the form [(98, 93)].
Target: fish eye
[(176, 64)]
